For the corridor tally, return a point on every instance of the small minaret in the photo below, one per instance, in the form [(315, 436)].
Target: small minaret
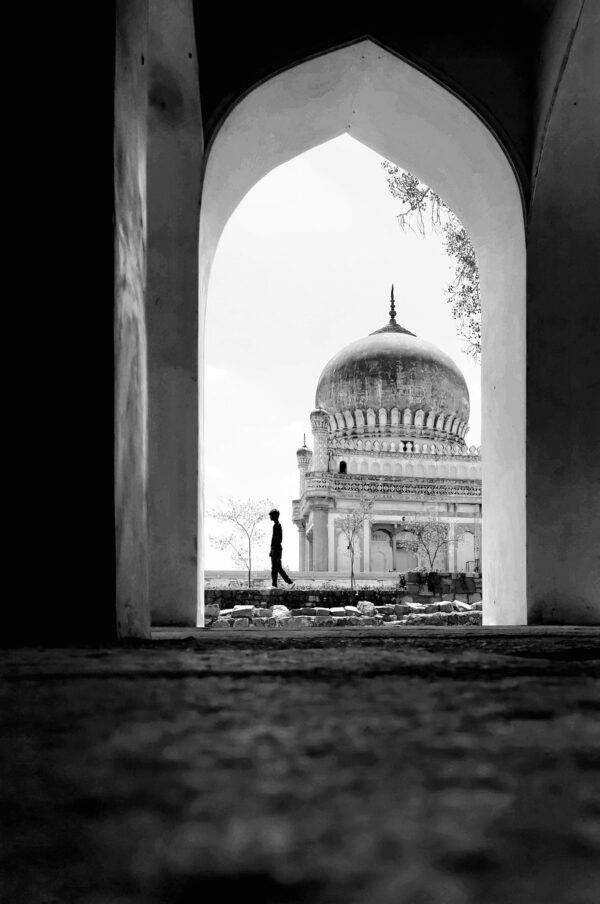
[(304, 456), (319, 420)]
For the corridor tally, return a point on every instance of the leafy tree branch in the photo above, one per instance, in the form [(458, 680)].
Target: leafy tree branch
[(424, 210)]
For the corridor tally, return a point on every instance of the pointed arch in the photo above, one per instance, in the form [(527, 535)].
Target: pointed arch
[(412, 120)]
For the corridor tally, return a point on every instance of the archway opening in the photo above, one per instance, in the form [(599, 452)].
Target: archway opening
[(411, 120)]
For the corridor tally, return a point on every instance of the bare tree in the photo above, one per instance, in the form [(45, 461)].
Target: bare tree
[(424, 209), (352, 525), (430, 538), (247, 523)]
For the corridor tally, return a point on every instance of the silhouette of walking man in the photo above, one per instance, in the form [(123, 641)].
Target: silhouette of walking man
[(276, 550)]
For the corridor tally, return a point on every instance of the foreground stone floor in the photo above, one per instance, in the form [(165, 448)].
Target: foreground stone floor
[(427, 766)]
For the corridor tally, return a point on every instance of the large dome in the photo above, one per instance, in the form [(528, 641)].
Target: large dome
[(394, 383)]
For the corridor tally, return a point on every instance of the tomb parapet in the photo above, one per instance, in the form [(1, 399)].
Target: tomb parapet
[(327, 484)]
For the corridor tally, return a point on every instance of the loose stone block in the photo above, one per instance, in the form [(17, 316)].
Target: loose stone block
[(385, 610), (460, 606), (337, 611), (445, 607), (432, 618), (243, 611), (366, 607), (264, 613), (320, 610), (352, 610), (241, 622), (402, 609), (280, 611), (302, 621)]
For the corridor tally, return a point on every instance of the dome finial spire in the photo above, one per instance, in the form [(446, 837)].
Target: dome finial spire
[(392, 306)]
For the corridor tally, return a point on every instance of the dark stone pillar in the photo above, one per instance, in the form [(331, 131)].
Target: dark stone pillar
[(175, 149), (563, 423), (131, 394)]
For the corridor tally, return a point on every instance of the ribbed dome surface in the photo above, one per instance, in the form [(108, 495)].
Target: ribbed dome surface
[(394, 370)]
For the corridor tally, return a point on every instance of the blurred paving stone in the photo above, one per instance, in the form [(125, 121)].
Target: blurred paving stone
[(397, 766)]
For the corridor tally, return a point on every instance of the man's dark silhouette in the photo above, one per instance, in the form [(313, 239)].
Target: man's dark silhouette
[(276, 550)]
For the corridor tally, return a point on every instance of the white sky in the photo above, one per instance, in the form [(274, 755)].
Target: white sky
[(304, 267)]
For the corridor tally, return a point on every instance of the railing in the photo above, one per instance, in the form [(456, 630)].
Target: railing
[(324, 483), (404, 448)]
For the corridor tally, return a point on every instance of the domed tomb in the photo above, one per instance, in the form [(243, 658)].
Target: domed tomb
[(395, 384)]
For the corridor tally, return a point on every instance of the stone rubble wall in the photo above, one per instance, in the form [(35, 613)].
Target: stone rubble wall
[(342, 608)]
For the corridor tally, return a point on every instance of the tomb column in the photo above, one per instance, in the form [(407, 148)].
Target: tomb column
[(320, 537), (366, 545), (452, 546), (301, 547), (331, 544)]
